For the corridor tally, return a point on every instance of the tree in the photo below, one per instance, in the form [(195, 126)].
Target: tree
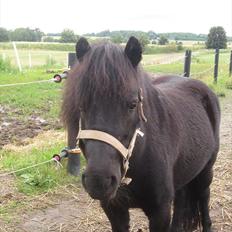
[(105, 33), (38, 34), (26, 34), (144, 40), (117, 38), (162, 40), (216, 38), (4, 35), (68, 36)]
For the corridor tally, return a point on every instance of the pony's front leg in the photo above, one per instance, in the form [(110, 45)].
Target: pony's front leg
[(118, 216), (73, 159), (159, 218)]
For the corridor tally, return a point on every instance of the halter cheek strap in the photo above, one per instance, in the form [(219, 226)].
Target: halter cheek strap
[(109, 139), (140, 107)]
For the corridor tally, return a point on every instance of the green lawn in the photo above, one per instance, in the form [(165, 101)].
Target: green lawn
[(42, 98)]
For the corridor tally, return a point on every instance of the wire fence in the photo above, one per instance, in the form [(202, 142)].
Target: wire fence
[(196, 65), (157, 62), (27, 83), (197, 74), (31, 166)]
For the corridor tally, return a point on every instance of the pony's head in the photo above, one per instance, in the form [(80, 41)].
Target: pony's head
[(105, 90)]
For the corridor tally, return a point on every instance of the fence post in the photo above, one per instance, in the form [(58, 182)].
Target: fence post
[(216, 61), (187, 63), (71, 59), (230, 69), (29, 58), (17, 57)]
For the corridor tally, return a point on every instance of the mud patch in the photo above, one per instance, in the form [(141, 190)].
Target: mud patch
[(16, 129)]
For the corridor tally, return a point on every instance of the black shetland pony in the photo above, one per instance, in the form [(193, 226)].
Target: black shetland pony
[(171, 164)]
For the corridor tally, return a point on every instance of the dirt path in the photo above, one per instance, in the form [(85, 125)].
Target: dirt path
[(69, 209)]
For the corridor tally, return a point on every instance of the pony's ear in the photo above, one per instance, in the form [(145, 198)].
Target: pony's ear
[(133, 50), (82, 46)]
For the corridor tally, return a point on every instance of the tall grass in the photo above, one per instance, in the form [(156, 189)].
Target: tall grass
[(50, 62), (5, 65)]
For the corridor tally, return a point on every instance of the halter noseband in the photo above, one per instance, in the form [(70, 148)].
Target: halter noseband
[(111, 140)]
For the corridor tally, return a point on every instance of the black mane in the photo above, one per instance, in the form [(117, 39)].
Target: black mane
[(104, 73)]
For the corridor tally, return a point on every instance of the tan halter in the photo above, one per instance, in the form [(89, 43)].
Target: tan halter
[(111, 140)]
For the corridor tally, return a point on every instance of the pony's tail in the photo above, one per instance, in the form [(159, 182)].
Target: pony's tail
[(186, 210)]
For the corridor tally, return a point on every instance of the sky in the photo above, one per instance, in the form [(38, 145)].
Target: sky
[(85, 16)]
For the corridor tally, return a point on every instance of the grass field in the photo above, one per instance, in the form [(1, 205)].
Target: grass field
[(35, 58), (44, 100), (55, 54)]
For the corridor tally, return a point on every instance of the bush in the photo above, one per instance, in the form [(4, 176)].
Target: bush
[(50, 39), (158, 49), (162, 40), (153, 42), (179, 46)]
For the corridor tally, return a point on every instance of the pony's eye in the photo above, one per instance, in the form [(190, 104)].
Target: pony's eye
[(132, 105)]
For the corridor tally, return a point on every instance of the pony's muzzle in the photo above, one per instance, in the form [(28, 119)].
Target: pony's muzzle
[(99, 186)]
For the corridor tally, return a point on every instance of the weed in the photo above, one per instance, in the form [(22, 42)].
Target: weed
[(5, 65), (228, 84)]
